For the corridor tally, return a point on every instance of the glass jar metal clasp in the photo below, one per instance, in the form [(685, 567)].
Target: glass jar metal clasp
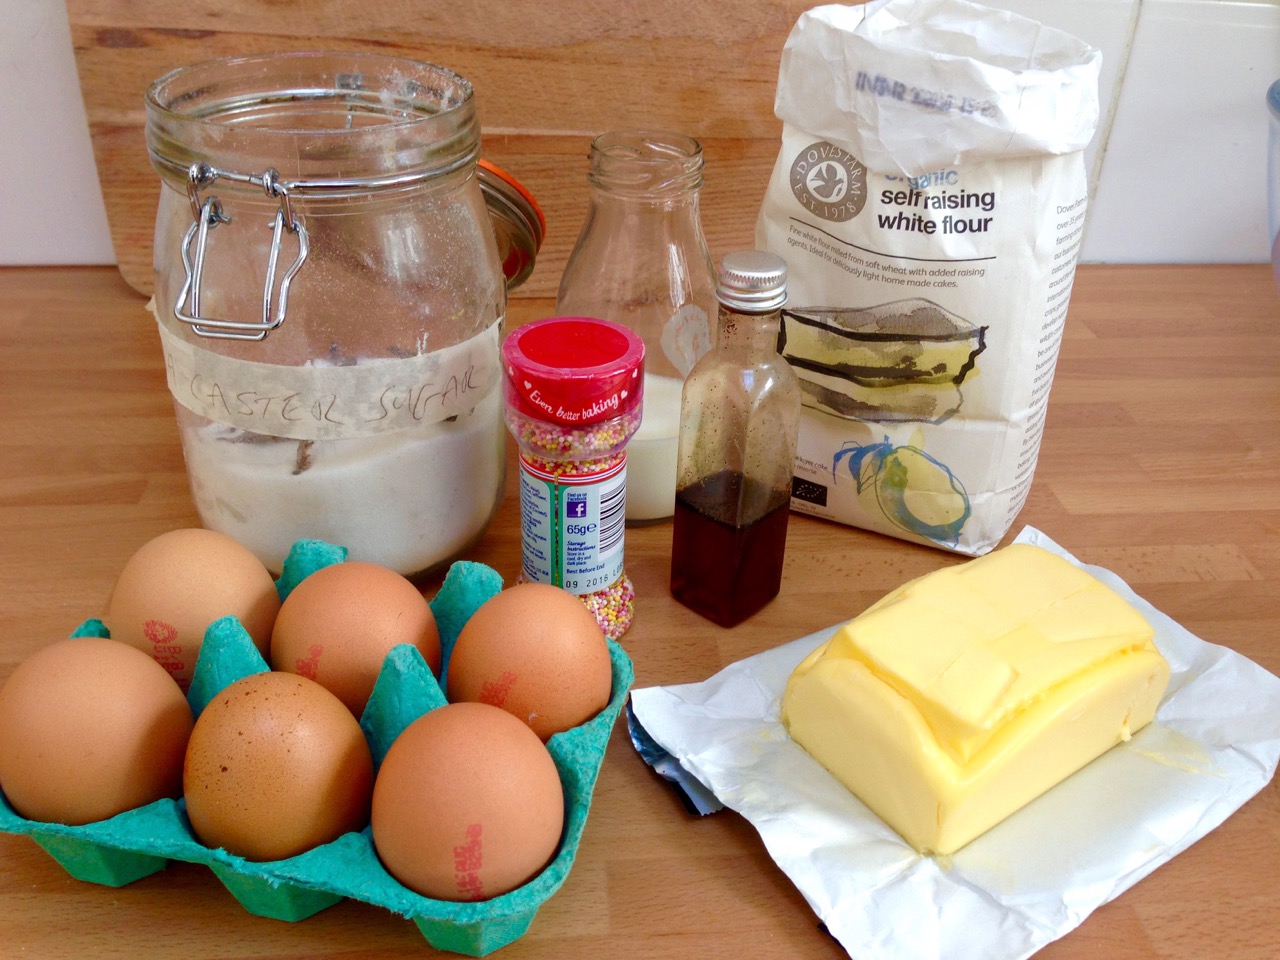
[(208, 214)]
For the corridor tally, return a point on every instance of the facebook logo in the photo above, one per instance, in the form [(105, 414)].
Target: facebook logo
[(576, 507)]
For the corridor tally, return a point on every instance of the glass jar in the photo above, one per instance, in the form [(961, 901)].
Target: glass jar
[(739, 424), (574, 397), (642, 261), (330, 298)]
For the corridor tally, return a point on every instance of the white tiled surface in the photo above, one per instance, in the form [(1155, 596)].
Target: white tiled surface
[(1178, 164), (51, 209), (1184, 179), (1106, 24)]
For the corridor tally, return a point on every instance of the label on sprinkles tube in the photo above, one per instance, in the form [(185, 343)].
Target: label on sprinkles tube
[(572, 526)]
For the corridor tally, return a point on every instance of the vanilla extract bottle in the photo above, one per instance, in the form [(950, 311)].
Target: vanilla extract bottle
[(739, 420)]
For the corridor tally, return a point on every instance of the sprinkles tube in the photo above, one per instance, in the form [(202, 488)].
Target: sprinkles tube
[(573, 392)]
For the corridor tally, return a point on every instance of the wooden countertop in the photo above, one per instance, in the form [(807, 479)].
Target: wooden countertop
[(1160, 461)]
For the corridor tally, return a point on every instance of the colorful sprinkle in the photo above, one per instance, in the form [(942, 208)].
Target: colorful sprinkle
[(614, 607)]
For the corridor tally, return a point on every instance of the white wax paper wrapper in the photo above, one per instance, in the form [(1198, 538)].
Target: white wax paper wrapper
[(919, 85), (1214, 744)]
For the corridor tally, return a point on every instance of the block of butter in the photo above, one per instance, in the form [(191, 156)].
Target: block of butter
[(963, 695)]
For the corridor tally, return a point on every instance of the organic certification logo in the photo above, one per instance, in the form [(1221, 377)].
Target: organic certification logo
[(829, 182)]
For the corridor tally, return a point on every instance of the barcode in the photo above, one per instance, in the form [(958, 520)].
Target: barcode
[(613, 518)]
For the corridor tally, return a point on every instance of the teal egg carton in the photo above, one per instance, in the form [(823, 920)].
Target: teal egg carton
[(142, 841)]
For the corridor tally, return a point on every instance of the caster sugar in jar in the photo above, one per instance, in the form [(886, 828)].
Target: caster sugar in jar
[(330, 296)]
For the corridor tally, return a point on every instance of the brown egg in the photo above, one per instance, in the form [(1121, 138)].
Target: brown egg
[(177, 584), (338, 625), (537, 652), (276, 765), (90, 728), (468, 804)]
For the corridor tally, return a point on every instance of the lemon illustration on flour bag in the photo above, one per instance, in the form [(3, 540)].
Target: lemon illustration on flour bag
[(915, 492)]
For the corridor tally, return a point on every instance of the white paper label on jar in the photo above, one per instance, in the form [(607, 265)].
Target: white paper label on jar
[(330, 402)]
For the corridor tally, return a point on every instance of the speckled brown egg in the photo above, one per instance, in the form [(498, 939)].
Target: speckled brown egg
[(276, 765), (537, 652), (468, 804), (178, 583), (90, 728), (338, 625)]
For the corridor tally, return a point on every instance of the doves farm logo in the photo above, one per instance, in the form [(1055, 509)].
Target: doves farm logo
[(829, 182)]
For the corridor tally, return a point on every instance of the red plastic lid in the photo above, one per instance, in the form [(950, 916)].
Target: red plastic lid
[(573, 370)]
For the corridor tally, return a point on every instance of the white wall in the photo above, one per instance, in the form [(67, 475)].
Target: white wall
[(1179, 166), (51, 209)]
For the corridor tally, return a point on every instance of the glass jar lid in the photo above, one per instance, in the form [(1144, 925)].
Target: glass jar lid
[(518, 221), (332, 123), (325, 125)]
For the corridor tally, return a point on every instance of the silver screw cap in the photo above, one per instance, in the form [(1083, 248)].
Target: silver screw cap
[(752, 281)]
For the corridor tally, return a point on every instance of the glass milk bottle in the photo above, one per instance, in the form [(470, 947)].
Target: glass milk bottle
[(739, 423), (642, 261)]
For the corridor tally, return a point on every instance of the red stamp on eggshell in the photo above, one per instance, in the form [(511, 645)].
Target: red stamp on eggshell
[(468, 859), (495, 692)]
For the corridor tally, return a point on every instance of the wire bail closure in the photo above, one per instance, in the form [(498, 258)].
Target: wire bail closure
[(208, 214)]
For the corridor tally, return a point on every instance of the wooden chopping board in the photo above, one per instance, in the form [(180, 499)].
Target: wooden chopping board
[(548, 77)]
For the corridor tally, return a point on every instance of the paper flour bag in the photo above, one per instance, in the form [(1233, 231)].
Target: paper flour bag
[(929, 197)]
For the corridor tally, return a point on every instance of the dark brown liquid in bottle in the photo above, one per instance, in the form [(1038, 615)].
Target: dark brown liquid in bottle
[(719, 569)]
